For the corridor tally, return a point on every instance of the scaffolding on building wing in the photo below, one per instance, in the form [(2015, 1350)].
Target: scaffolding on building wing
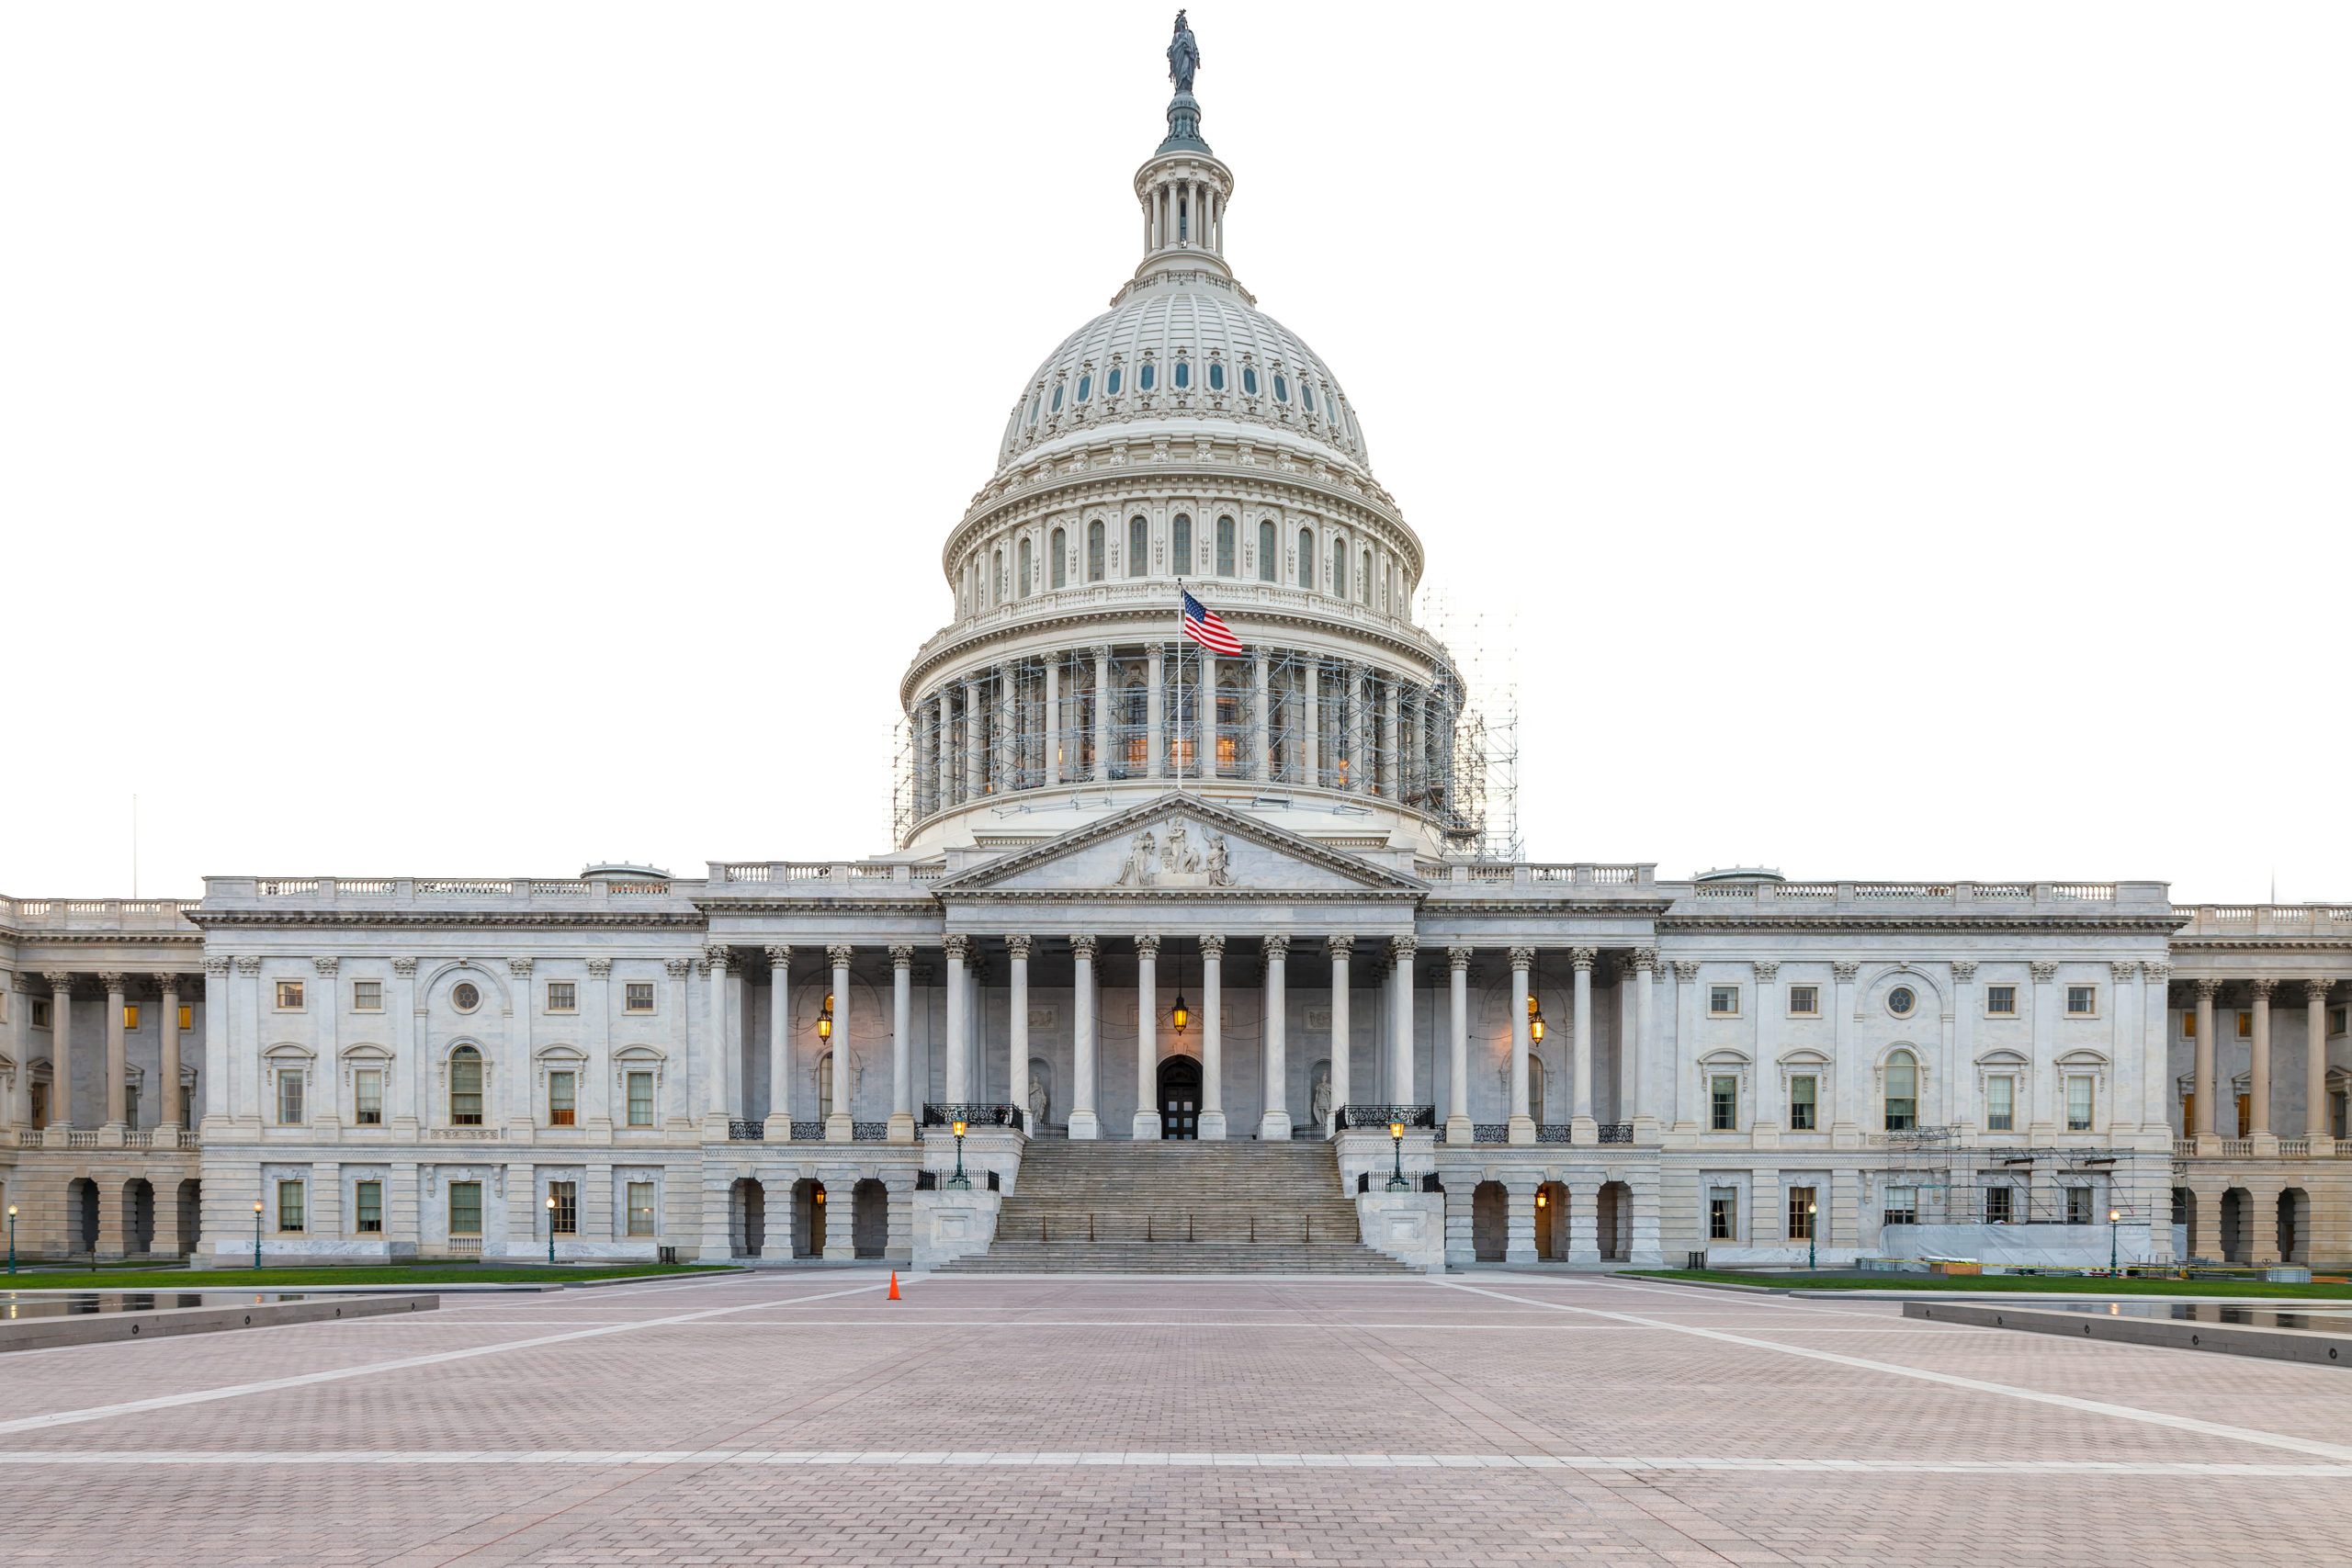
[(1483, 647), (1946, 1181)]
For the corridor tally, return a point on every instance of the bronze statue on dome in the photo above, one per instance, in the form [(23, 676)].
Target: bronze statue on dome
[(1184, 56)]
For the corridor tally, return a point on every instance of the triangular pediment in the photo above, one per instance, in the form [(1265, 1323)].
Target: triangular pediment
[(1179, 844)]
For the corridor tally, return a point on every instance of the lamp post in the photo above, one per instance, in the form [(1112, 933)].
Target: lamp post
[(959, 1182), (1396, 1183), (551, 1230), (12, 1239), (256, 1236), (1811, 1235), (2114, 1241)]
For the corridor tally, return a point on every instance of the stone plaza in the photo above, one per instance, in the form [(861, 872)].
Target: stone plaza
[(1489, 1417)]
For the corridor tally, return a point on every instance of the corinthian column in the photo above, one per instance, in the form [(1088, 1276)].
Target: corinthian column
[(1017, 1026), (902, 1075), (1274, 1126), (2202, 1083), (958, 947), (60, 1047), (1147, 1124), (165, 1111), (2258, 1075), (1083, 1123), (118, 1063), (1212, 1122), (1342, 1029), (1522, 1126), (1400, 1054), (1459, 1128), (1101, 716), (2317, 1124), (778, 1128)]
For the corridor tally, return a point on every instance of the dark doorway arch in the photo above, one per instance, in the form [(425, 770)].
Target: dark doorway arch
[(748, 1218), (870, 1219), (1489, 1221), (1180, 1098), (807, 1218), (1551, 1221), (82, 1207), (2237, 1224), (189, 1216), (2294, 1226), (1615, 1221), (138, 1215)]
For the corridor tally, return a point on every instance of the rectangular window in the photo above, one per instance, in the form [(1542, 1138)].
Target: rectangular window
[(40, 1012), (566, 1213), (2335, 1021), (465, 1208), (366, 996), (289, 996), (2340, 1109), (1800, 1207), (1900, 1206), (640, 997), (2082, 1001), (187, 1019), (2078, 1104), (2078, 1206), (1723, 1213), (1724, 1093), (1804, 1102), (1996, 1205), (40, 1096), (1723, 1001), (367, 1207), (2001, 1104), (289, 1206), (289, 1097), (641, 1100), (1804, 1001), (131, 1104), (1225, 546), (2189, 1026), (2246, 1026), (561, 1102), (2001, 1002), (368, 1096), (131, 1015), (640, 1208), (562, 995)]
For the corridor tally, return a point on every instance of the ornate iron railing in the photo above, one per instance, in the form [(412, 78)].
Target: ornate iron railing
[(1616, 1131), (1384, 1116), (869, 1131), (746, 1132), (1490, 1132), (1553, 1133), (808, 1132), (974, 1116)]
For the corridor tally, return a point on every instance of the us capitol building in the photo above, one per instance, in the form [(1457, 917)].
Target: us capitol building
[(1199, 950)]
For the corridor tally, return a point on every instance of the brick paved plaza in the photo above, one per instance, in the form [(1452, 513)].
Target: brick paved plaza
[(1487, 1417)]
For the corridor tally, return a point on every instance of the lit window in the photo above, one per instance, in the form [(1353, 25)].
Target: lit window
[(1094, 551), (367, 1207), (1723, 1096), (564, 995), (465, 1087), (563, 1099), (1216, 375), (1249, 379), (640, 1204), (2189, 1026), (1901, 1091), (1144, 375), (2001, 1103), (1307, 557), (1996, 1205), (1723, 1213), (641, 1100), (2246, 1026), (1281, 390), (2082, 1001), (1225, 546), (638, 997), (2078, 1104), (465, 1208), (2078, 1206), (1184, 374), (1111, 387), (1181, 545), (1085, 388), (289, 996), (1804, 1090), (366, 996), (131, 1015), (564, 1218), (1723, 1001), (1800, 1206), (1804, 1001), (1058, 561), (368, 1096), (289, 1206), (1900, 1206), (289, 1097), (2001, 1002), (1138, 546), (1269, 568)]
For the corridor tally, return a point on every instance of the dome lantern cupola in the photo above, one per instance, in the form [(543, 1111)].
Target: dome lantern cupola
[(1183, 188)]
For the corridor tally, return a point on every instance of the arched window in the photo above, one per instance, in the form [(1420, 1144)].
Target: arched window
[(1269, 568), (1144, 375), (1901, 1091), (1281, 389), (997, 573), (1138, 546), (1339, 568), (1181, 545), (1057, 567), (1085, 388), (1307, 557), (1249, 379), (1024, 569), (824, 1086), (1184, 374), (1094, 551), (465, 1087), (1216, 375), (1364, 579), (1225, 546), (1058, 397), (1111, 387)]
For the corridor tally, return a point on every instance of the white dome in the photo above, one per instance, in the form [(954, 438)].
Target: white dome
[(1200, 322)]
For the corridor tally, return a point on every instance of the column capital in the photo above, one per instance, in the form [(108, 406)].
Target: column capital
[(1083, 946), (1146, 947), (2157, 974), (1102, 652), (112, 980), (1766, 969), (1843, 970), (840, 953), (2206, 989), (718, 955), (678, 968), (1402, 948), (2044, 970), (2315, 992), (1583, 958), (520, 968), (406, 967), (166, 981), (2127, 969), (780, 954), (1523, 958), (1018, 946), (958, 946), (1339, 945), (2262, 986), (1277, 948), (327, 966), (1212, 946), (902, 955), (1646, 959), (248, 965), (598, 968), (1458, 958), (217, 969), (1963, 970)]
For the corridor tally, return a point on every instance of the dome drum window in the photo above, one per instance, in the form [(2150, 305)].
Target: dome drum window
[(1249, 379), (1184, 374), (1085, 388), (1138, 541), (1144, 377), (1058, 398), (1281, 389), (1058, 561), (1217, 376), (1111, 387)]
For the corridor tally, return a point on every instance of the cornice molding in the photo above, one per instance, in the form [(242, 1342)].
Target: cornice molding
[(1833, 922), (535, 920)]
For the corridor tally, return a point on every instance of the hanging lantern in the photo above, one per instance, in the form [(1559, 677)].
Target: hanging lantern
[(1181, 1016), (825, 1019)]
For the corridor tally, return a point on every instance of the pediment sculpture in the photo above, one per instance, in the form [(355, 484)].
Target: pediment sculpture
[(1170, 859)]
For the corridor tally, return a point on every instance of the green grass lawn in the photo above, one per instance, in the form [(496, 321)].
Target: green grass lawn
[(423, 1275), (2025, 1284)]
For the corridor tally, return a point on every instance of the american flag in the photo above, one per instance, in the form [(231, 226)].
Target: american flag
[(1207, 630)]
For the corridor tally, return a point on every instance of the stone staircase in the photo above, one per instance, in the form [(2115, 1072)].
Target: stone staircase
[(1177, 1208)]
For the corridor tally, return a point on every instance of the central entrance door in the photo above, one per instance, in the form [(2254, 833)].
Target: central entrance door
[(1180, 1098)]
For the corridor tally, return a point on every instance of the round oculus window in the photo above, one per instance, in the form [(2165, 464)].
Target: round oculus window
[(466, 997), (1901, 1001)]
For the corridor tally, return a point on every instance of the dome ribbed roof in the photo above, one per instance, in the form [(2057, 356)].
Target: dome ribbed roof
[(1205, 322)]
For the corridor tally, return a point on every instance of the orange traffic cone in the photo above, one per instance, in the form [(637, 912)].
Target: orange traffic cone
[(894, 1285)]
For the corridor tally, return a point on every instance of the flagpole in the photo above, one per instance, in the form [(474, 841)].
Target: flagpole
[(1180, 680)]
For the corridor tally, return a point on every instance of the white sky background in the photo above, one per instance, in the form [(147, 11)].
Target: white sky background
[(464, 439)]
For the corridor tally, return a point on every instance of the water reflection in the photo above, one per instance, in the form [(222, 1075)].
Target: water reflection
[(2321, 1321), (19, 1305)]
